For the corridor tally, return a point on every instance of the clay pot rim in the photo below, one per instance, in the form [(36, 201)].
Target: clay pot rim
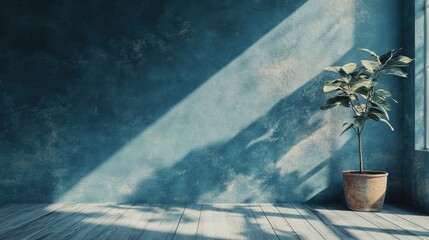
[(367, 173)]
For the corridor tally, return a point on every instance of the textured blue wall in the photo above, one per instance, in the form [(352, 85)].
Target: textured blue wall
[(186, 101), (416, 158)]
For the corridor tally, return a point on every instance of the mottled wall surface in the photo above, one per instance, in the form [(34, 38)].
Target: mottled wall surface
[(186, 101), (417, 184), (416, 157)]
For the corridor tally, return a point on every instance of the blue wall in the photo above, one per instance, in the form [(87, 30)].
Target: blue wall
[(186, 101), (416, 157)]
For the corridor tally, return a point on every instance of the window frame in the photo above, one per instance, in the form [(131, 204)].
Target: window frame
[(426, 76)]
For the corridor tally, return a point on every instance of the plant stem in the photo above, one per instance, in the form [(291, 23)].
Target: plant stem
[(360, 152)]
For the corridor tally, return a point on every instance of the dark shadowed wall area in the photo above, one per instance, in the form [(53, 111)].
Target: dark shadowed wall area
[(186, 101), (416, 157)]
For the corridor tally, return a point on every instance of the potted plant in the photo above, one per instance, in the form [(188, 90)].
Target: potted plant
[(356, 88)]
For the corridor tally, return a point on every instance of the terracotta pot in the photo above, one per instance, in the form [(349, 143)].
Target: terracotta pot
[(365, 192)]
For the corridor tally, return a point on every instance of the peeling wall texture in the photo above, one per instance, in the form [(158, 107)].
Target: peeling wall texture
[(415, 156), (164, 101)]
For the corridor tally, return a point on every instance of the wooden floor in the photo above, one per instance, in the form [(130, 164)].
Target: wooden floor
[(208, 221)]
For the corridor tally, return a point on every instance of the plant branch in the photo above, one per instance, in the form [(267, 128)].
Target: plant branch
[(360, 153)]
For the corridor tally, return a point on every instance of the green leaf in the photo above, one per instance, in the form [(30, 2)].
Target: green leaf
[(361, 108), (335, 101), (358, 78), (378, 111), (370, 52), (379, 96), (388, 124), (363, 91), (374, 116), (403, 59), (347, 128), (333, 69), (349, 68), (332, 85), (381, 103), (344, 71), (385, 105), (398, 62), (361, 72), (385, 111), (389, 57), (338, 80), (353, 96), (394, 71), (330, 88), (384, 58), (359, 121), (377, 117), (371, 66), (382, 93), (362, 82)]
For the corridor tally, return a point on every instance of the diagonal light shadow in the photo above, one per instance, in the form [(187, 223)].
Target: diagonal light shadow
[(233, 98)]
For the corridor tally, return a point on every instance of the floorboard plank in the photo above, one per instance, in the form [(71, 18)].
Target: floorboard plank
[(105, 225), (280, 225), (341, 222), (240, 222), (37, 211), (356, 222), (225, 221), (188, 225), (299, 224), (404, 224), (66, 219), (338, 230), (9, 211), (82, 227), (316, 222), (163, 223), (263, 223), (418, 219), (245, 223), (48, 221), (134, 222), (213, 222), (384, 225)]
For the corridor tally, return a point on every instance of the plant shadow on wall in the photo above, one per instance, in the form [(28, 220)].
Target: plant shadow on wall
[(275, 159), (214, 122), (82, 81), (294, 153)]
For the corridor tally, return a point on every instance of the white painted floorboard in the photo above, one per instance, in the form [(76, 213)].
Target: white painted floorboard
[(208, 221)]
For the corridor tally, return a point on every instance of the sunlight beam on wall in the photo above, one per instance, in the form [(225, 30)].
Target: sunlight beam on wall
[(295, 51)]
